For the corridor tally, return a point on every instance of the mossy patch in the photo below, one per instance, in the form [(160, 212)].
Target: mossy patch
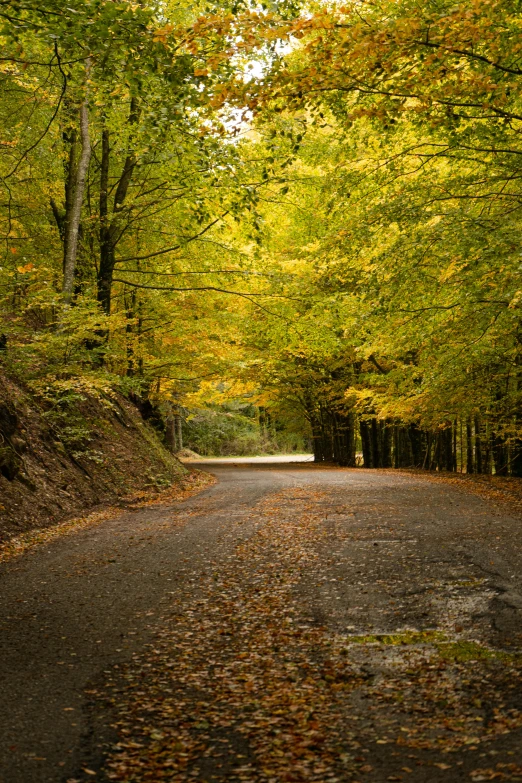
[(400, 638), (457, 650), (462, 651)]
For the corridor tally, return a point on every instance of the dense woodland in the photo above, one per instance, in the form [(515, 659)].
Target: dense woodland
[(309, 208)]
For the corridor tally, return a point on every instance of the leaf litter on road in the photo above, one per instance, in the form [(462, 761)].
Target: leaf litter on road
[(241, 685), (188, 485)]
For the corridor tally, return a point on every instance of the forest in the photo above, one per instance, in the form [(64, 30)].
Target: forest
[(307, 210), (260, 391)]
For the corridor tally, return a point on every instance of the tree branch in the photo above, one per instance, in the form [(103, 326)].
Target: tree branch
[(174, 247)]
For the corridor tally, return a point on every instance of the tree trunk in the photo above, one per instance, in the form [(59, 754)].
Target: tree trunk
[(351, 460), (179, 431), (366, 444), (130, 307), (488, 468), (61, 214), (344, 439), (387, 444), (478, 447), (516, 459), (170, 433), (427, 452), (454, 460), (469, 447), (72, 220), (500, 455), (70, 186), (447, 454), (432, 451), (415, 444), (110, 231), (317, 439), (376, 443), (396, 447), (516, 456), (106, 266)]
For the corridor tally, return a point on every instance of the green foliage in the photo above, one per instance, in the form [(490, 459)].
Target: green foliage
[(68, 415), (339, 255), (223, 433)]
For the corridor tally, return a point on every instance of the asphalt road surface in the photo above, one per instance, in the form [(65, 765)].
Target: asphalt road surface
[(379, 553)]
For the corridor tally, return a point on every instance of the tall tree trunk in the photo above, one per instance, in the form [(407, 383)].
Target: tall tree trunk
[(106, 267), (432, 450), (344, 438), (396, 447), (70, 185), (478, 447), (179, 431), (416, 444), (170, 433), (110, 228), (376, 443), (516, 457), (387, 444), (62, 214), (488, 467), (469, 447), (350, 441), (130, 306), (454, 456), (500, 455), (317, 438), (448, 448), (461, 446), (72, 220), (366, 440)]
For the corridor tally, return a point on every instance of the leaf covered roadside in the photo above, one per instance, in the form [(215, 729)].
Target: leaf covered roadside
[(241, 685), (188, 485)]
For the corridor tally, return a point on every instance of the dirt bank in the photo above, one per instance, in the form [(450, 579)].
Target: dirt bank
[(88, 449)]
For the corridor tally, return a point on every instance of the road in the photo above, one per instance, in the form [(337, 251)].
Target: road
[(292, 622), (274, 459)]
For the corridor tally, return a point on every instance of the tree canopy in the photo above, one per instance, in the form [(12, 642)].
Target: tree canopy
[(312, 208)]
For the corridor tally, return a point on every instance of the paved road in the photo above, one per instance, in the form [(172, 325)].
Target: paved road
[(273, 459), (389, 552)]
